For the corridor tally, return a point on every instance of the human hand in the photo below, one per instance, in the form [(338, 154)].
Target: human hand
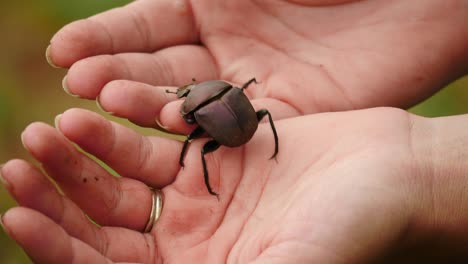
[(310, 56), (348, 187)]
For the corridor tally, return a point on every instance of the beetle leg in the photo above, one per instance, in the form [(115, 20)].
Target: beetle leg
[(196, 133), (260, 114), (209, 146), (248, 83)]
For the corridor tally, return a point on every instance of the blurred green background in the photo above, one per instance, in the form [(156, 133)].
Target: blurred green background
[(28, 85), (30, 90)]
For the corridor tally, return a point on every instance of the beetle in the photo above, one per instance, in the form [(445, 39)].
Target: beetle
[(224, 113)]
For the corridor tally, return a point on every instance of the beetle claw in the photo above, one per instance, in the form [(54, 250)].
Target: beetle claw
[(214, 194), (274, 157)]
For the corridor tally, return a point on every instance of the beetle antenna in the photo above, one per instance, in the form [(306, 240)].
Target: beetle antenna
[(169, 91)]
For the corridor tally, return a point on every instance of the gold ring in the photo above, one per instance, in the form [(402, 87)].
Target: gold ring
[(156, 209)]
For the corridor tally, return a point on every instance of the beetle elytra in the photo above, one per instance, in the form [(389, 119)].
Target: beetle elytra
[(224, 113)]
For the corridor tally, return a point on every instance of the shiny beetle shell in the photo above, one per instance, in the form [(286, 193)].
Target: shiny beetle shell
[(202, 93), (222, 112), (230, 120)]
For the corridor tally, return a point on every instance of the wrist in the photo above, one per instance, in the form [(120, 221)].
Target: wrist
[(440, 148)]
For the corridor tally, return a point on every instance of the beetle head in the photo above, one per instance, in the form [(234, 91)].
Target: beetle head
[(189, 118), (182, 91)]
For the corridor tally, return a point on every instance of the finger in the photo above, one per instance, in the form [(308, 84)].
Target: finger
[(140, 26), (108, 200), (31, 189), (138, 102), (278, 109), (142, 104), (153, 160), (171, 66), (45, 241)]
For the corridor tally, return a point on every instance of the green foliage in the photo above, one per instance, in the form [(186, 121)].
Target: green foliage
[(72, 10), (452, 100)]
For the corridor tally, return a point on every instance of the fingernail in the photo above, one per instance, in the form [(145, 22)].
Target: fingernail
[(163, 127), (65, 87), (2, 225), (49, 60), (5, 230), (22, 140), (4, 182), (57, 120), (98, 103)]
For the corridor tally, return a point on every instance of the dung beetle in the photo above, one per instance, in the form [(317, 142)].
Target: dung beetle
[(224, 113)]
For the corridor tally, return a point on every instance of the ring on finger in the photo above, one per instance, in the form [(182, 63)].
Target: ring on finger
[(156, 209)]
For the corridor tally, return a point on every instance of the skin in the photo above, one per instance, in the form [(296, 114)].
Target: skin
[(378, 53), (368, 184), (359, 186)]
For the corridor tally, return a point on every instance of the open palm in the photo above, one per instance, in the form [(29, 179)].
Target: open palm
[(309, 57), (334, 173)]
